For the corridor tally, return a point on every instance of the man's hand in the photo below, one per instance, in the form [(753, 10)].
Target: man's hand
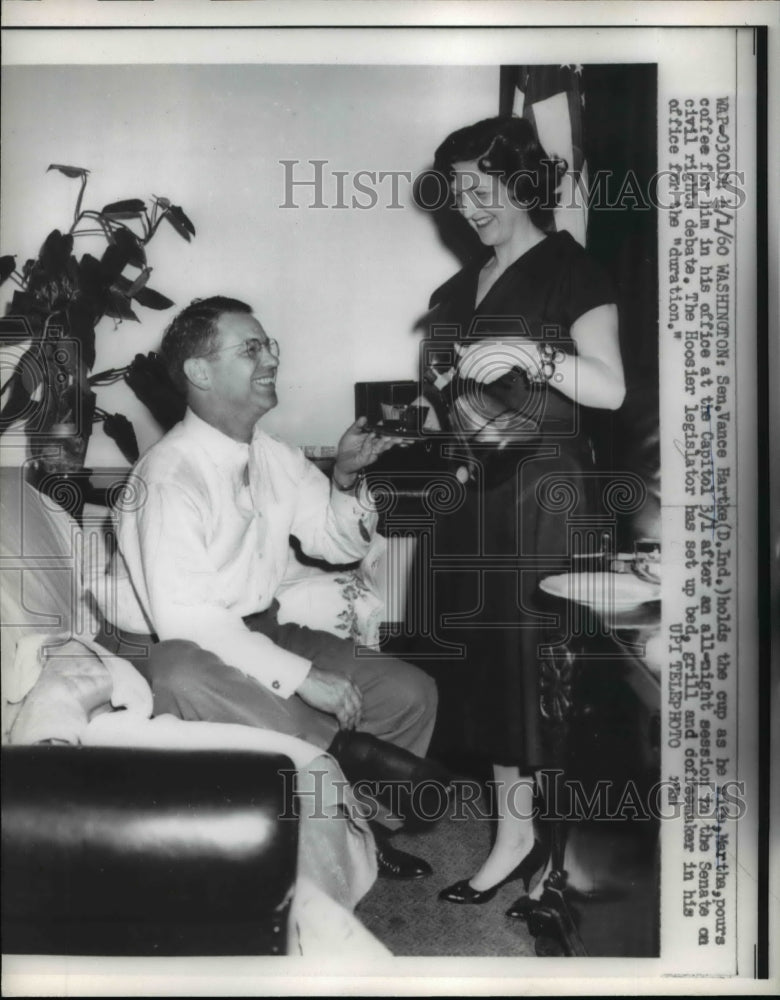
[(334, 694), (357, 449)]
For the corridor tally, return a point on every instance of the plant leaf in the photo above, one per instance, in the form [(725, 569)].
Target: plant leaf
[(180, 222), (126, 209), (139, 283), (21, 303), (118, 306), (114, 260), (120, 430), (165, 202), (122, 284), (178, 212), (152, 300), (143, 296), (130, 246), (26, 313), (68, 171), (15, 329), (7, 267), (54, 253), (81, 326), (149, 379), (92, 284)]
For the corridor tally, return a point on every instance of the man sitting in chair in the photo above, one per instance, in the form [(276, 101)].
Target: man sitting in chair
[(201, 556)]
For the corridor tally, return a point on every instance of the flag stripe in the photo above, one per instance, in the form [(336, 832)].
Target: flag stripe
[(551, 98)]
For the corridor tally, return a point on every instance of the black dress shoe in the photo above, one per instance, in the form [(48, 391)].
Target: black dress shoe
[(521, 907), (392, 863), (416, 788), (462, 892)]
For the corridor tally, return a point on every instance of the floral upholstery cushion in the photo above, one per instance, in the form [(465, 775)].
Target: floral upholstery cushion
[(347, 603)]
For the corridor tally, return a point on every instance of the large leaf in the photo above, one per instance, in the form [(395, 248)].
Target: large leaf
[(180, 222), (21, 303), (86, 409), (55, 252), (129, 208), (122, 284), (93, 287), (143, 296), (115, 259), (118, 306), (120, 430), (139, 282), (24, 318), (81, 326), (15, 329), (72, 270), (7, 267), (178, 212), (152, 300), (68, 171), (149, 379), (130, 246)]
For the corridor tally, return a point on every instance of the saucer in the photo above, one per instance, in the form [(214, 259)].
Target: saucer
[(601, 590)]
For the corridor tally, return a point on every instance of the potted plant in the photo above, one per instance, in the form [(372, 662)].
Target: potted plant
[(58, 303)]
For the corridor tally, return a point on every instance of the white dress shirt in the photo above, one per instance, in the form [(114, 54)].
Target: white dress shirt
[(207, 542)]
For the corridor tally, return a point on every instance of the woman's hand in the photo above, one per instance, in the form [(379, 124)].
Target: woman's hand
[(490, 359), (357, 449), (591, 377)]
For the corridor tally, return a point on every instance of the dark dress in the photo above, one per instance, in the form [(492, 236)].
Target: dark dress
[(514, 527)]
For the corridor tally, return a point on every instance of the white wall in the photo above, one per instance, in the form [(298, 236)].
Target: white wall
[(339, 288)]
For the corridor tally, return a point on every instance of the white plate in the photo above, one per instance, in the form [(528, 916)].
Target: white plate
[(604, 591)]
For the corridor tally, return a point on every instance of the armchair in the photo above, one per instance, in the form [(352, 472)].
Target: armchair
[(117, 851)]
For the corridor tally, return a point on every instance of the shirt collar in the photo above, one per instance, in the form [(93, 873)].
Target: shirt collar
[(222, 449)]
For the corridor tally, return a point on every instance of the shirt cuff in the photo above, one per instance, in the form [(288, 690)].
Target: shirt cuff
[(295, 670), (257, 656)]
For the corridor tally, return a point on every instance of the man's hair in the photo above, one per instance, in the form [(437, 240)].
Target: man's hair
[(193, 332)]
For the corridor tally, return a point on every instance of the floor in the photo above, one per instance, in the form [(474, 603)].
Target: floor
[(410, 920)]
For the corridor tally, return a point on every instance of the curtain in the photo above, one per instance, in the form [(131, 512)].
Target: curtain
[(551, 98), (603, 120)]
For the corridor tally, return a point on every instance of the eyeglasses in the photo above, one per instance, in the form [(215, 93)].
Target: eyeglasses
[(252, 348)]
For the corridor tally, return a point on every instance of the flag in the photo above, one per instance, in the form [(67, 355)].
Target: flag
[(552, 99)]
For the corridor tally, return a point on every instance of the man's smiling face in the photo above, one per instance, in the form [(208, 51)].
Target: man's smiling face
[(243, 366)]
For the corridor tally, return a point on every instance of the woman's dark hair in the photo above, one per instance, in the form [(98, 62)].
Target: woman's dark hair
[(193, 331), (507, 147)]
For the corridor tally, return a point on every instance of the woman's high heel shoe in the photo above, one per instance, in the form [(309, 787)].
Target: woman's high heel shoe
[(462, 892)]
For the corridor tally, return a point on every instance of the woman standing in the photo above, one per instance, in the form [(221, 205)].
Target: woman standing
[(534, 337)]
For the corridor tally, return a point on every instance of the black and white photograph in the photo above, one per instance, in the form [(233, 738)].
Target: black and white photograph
[(385, 408)]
